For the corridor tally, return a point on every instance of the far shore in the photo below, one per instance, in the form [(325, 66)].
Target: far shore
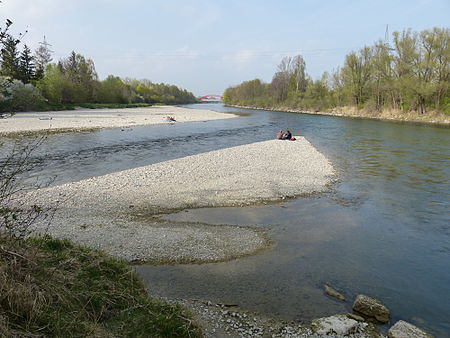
[(91, 119), (351, 112)]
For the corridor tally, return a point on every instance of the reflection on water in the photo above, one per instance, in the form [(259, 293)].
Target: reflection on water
[(383, 230)]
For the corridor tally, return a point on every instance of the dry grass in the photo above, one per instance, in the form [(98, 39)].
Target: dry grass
[(391, 114), (53, 288)]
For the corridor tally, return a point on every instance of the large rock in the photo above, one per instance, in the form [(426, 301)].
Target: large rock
[(403, 329), (372, 308), (339, 324)]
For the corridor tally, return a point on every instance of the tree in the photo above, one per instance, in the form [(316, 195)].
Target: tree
[(10, 58), (299, 76), (435, 64), (26, 66), (382, 76), (53, 84), (81, 79), (113, 90), (356, 74), (42, 57), (16, 213), (4, 32)]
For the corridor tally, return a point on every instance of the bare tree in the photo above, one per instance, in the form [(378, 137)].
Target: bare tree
[(18, 214), (42, 57)]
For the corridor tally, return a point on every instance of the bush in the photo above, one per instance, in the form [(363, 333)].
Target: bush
[(16, 96)]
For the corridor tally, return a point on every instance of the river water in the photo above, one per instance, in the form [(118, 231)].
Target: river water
[(383, 230)]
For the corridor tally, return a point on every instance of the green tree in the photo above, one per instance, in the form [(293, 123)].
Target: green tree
[(81, 74), (114, 90), (356, 74), (26, 66), (53, 84), (382, 77), (10, 58)]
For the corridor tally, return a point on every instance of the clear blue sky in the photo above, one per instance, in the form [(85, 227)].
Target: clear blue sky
[(206, 46)]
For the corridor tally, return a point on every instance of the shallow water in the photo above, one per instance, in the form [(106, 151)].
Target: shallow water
[(384, 230)]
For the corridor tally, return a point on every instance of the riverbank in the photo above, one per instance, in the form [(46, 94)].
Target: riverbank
[(89, 119), (53, 288), (118, 212), (352, 112)]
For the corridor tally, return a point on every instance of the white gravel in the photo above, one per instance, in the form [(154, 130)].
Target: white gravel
[(82, 119), (114, 212)]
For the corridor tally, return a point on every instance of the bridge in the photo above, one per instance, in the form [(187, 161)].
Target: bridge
[(210, 98)]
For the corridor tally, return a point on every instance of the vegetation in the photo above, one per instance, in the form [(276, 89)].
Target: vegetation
[(31, 82), (53, 288), (411, 75)]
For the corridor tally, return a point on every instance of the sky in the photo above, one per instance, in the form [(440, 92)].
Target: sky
[(207, 46)]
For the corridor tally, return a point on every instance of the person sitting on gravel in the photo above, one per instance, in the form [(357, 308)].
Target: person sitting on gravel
[(280, 135), (287, 135)]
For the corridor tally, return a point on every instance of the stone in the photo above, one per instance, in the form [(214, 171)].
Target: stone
[(338, 324), (371, 307), (403, 329), (355, 317), (333, 293)]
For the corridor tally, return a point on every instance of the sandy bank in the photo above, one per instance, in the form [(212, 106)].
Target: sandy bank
[(114, 212), (104, 118)]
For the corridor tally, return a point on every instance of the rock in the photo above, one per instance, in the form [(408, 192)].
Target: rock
[(371, 308), (355, 317), (333, 293), (338, 324), (403, 329)]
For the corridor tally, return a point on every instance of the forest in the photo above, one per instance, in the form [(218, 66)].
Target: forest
[(31, 81), (409, 74)]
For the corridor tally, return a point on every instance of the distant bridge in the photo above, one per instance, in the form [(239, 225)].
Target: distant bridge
[(210, 98)]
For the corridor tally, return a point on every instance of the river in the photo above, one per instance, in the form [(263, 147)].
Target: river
[(382, 230)]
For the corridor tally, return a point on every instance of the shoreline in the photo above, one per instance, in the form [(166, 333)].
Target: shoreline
[(388, 116), (94, 119)]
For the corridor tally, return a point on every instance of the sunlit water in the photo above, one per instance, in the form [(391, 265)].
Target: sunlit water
[(383, 230)]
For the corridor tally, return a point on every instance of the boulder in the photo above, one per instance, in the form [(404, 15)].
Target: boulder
[(333, 293), (403, 329), (338, 324), (371, 308)]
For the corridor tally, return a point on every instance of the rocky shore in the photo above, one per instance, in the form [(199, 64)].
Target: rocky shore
[(228, 321), (89, 119)]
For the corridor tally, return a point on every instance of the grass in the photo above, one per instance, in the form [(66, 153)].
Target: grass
[(53, 288)]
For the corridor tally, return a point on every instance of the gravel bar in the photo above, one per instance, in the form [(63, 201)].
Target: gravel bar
[(87, 119), (115, 212)]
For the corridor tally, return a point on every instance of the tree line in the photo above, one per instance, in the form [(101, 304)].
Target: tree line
[(31, 81), (412, 73)]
